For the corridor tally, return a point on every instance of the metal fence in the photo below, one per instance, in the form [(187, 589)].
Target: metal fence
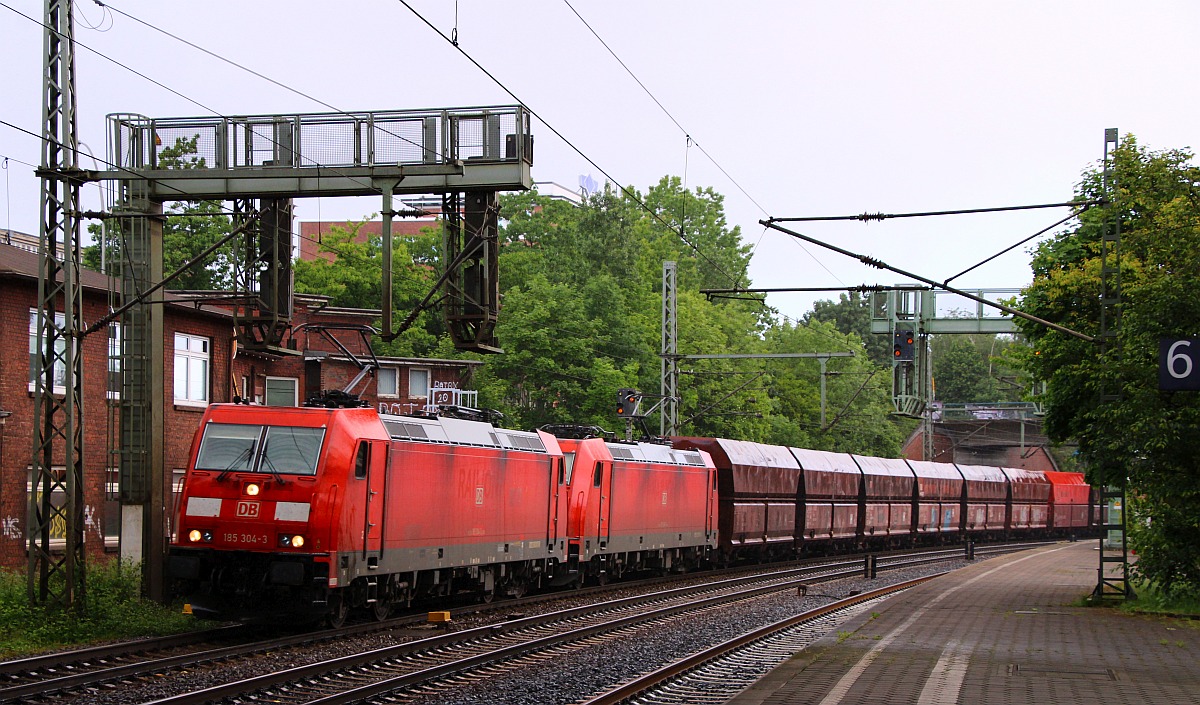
[(391, 138)]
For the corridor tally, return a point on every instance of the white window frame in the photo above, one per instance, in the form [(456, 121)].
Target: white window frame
[(295, 390), (60, 370), (187, 356), (428, 381), (114, 361), (391, 389)]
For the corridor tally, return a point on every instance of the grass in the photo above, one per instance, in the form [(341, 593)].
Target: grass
[(1149, 601), (114, 610), (1152, 601)]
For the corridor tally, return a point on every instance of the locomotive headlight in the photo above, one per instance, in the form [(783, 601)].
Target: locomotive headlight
[(194, 535), (297, 541), (253, 489)]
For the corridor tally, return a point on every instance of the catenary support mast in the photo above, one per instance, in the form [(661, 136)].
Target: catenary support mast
[(57, 577)]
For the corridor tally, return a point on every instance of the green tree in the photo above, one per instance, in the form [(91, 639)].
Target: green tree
[(354, 278), (1145, 436), (581, 314), (190, 228), (858, 393), (961, 374), (852, 314)]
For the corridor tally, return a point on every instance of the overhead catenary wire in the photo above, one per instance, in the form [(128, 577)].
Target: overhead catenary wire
[(692, 141), (177, 93), (1012, 247), (334, 108), (624, 189), (664, 108), (866, 217), (627, 191), (978, 299), (366, 184)]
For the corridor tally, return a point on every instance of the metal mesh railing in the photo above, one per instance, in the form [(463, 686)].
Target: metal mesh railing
[(334, 140)]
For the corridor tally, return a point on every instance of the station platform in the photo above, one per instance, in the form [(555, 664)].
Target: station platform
[(1008, 631)]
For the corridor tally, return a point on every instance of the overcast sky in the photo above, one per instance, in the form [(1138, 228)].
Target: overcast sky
[(813, 108)]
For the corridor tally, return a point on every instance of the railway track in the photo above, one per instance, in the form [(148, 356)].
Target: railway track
[(717, 674), (64, 677), (448, 660), (478, 652)]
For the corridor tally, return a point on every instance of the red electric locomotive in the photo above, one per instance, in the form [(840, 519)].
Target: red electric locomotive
[(291, 511), (637, 507)]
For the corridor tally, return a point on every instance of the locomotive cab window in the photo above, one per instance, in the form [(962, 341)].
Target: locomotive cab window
[(360, 461), (292, 450), (228, 447), (569, 461), (599, 475), (253, 448)]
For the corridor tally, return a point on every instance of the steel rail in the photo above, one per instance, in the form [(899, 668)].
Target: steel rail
[(325, 671), (389, 685), (649, 681)]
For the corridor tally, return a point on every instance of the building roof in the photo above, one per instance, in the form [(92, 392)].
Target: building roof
[(16, 261)]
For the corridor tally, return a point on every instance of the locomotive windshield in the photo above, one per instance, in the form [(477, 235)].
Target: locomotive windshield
[(252, 448)]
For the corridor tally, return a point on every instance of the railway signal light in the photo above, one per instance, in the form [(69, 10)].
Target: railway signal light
[(627, 402), (904, 346)]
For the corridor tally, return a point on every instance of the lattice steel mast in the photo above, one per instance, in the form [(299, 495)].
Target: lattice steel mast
[(57, 579), (669, 419), (1114, 550)]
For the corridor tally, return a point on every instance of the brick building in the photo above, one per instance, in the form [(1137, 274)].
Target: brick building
[(202, 365)]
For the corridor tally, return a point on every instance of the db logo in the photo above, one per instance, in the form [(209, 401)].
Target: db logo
[(247, 509)]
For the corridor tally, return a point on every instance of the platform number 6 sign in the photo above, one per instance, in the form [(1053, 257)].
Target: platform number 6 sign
[(1177, 368)]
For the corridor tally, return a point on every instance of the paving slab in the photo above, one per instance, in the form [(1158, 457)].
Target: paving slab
[(1010, 630)]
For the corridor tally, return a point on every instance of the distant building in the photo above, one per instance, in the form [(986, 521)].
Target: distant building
[(421, 213), (25, 241), (312, 233), (1006, 435)]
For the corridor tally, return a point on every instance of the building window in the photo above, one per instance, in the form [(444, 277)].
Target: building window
[(281, 391), (387, 382), (191, 369), (418, 383), (114, 361), (60, 348), (111, 528)]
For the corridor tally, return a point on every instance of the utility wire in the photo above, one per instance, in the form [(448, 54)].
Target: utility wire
[(869, 261), (60, 145), (963, 211), (14, 159), (692, 141), (627, 191), (247, 69), (664, 108), (1014, 246), (167, 88)]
